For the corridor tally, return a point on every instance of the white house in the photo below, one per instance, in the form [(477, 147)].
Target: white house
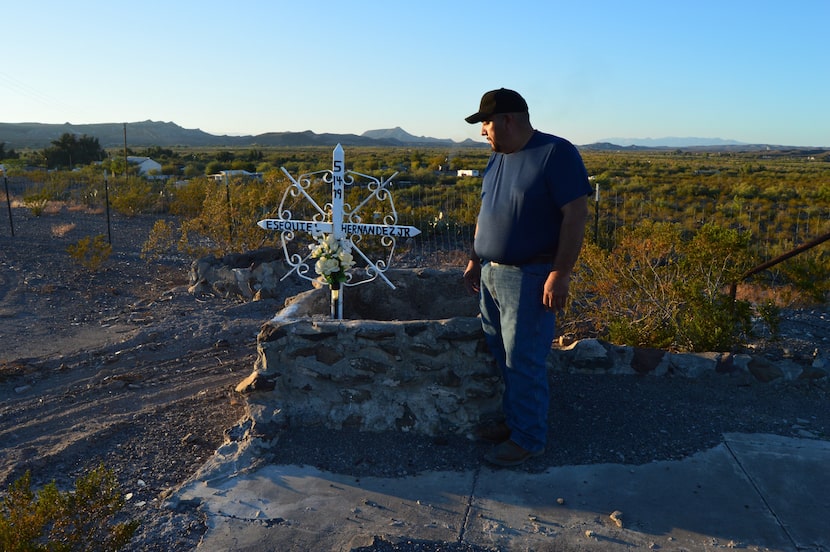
[(146, 166), (221, 176), (466, 172)]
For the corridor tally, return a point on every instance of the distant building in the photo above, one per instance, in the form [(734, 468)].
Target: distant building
[(222, 175), (146, 166), (467, 172)]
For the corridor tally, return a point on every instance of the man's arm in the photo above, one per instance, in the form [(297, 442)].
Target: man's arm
[(571, 235), (472, 274)]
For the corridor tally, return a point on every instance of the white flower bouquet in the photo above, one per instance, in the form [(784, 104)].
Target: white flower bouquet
[(333, 259)]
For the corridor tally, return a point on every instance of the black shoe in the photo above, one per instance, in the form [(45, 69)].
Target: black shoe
[(509, 454), (492, 432)]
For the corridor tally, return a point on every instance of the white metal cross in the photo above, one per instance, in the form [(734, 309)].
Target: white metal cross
[(341, 220)]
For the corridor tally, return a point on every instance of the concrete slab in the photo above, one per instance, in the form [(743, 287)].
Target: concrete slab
[(793, 478), (302, 508), (757, 492), (701, 502)]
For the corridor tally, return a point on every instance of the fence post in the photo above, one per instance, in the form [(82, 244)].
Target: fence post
[(8, 201), (228, 199), (107, 202), (596, 216)]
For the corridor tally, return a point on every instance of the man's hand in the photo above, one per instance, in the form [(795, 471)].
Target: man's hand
[(472, 277), (555, 295), (574, 215)]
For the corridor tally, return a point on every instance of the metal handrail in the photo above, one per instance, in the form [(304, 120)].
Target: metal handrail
[(733, 290)]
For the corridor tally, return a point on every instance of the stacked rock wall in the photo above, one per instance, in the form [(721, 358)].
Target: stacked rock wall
[(430, 376), (427, 376)]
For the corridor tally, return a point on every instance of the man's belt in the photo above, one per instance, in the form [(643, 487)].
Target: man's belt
[(545, 258)]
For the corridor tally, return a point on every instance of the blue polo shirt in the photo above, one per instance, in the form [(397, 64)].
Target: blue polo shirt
[(522, 195)]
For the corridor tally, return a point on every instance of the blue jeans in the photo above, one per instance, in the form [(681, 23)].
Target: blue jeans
[(519, 331)]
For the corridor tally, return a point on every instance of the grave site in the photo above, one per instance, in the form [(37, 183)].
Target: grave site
[(150, 370)]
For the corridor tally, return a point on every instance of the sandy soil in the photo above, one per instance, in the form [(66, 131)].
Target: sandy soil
[(124, 367)]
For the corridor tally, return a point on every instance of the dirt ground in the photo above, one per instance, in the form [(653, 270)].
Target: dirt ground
[(123, 367)]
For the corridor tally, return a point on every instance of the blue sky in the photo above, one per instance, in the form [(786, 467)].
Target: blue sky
[(752, 71)]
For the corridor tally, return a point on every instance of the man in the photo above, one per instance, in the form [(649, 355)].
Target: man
[(528, 236)]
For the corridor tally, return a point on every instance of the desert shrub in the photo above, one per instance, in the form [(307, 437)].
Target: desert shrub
[(135, 196), (53, 521), (187, 199), (227, 219), (161, 241), (663, 288), (36, 206), (90, 252), (770, 314), (36, 202), (808, 273)]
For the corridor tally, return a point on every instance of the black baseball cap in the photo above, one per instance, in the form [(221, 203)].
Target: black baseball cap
[(498, 101)]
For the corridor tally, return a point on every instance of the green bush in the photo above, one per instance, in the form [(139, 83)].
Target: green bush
[(90, 252), (770, 314), (135, 196), (663, 288), (55, 521), (160, 242), (36, 202), (808, 272)]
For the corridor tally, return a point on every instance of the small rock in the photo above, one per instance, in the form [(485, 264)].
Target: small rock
[(617, 517)]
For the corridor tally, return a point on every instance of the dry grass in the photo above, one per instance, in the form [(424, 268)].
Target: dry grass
[(61, 230), (82, 208), (53, 207), (783, 296), (12, 369)]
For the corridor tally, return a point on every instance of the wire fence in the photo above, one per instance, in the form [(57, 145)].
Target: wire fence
[(445, 215)]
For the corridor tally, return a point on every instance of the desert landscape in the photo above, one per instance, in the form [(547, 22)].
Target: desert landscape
[(124, 367)]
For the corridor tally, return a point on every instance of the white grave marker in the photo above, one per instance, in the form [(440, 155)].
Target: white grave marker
[(342, 221)]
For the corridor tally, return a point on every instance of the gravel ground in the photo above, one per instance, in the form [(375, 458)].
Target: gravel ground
[(594, 419), (125, 368)]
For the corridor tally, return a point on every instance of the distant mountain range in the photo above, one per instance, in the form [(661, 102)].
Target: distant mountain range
[(156, 133), (671, 142)]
